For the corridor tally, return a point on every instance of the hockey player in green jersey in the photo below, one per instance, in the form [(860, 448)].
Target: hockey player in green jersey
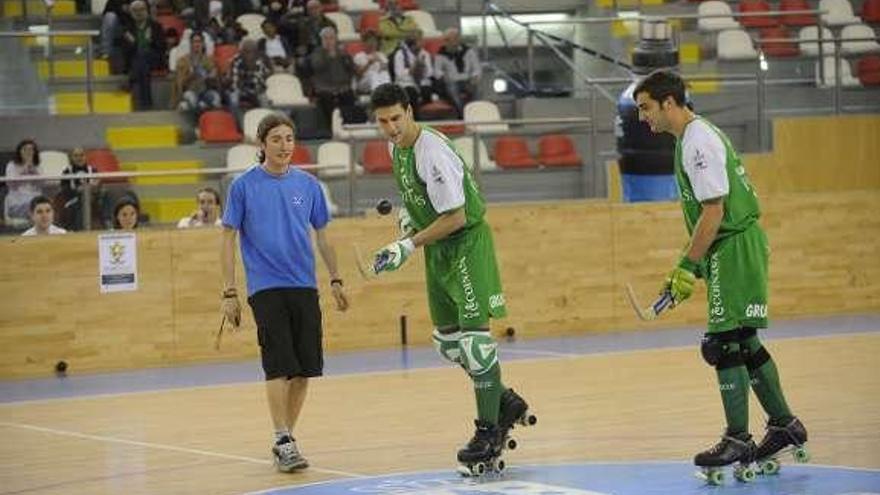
[(729, 250), (442, 211)]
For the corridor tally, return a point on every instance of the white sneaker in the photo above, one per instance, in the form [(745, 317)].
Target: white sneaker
[(287, 456)]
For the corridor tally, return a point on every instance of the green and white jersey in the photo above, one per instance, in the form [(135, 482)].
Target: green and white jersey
[(707, 167), (432, 179)]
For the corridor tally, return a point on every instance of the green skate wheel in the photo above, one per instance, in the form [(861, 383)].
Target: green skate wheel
[(713, 476), (770, 467), (744, 474), (801, 454)]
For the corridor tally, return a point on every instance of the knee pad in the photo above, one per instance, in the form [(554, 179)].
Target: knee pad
[(446, 344), (753, 352), (721, 350), (479, 352)]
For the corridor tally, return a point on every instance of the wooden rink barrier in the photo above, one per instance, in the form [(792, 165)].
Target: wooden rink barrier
[(563, 267)]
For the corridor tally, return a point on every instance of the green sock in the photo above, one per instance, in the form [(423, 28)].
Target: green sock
[(488, 389), (765, 381), (734, 385)]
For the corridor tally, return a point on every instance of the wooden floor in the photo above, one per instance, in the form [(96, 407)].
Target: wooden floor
[(657, 404)]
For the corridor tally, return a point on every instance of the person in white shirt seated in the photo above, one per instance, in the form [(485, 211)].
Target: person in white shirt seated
[(275, 47), (43, 218), (457, 66), (371, 66), (208, 213), (413, 70)]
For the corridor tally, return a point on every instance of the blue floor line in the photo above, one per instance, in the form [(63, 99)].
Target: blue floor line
[(344, 363)]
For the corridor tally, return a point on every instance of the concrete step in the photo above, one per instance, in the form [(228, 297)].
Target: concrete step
[(76, 102), (153, 136)]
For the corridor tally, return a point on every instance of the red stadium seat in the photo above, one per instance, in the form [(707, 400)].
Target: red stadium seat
[(104, 161), (354, 47), (868, 70), (778, 48), (376, 159), (369, 21), (433, 45), (513, 152), (302, 156), (173, 22), (441, 110), (797, 19), (218, 126), (557, 150), (871, 11), (755, 7), (403, 4), (223, 55)]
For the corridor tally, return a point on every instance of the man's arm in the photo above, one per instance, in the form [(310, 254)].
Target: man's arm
[(227, 258), (328, 253), (440, 228), (706, 229)]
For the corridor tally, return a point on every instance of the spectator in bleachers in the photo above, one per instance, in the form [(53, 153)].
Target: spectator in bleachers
[(457, 68), (220, 24), (412, 69), (126, 214), (208, 212), (72, 190), (394, 27), (294, 8), (248, 73), (143, 46), (25, 162), (333, 71), (115, 16), (371, 65), (310, 27), (42, 218), (275, 48), (195, 81)]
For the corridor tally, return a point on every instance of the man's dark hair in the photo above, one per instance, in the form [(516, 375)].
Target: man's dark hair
[(660, 84), (268, 123), (37, 201), (388, 95)]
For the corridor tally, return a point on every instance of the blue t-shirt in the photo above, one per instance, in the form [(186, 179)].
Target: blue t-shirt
[(273, 215)]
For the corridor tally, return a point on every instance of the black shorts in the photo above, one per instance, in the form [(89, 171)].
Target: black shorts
[(289, 332)]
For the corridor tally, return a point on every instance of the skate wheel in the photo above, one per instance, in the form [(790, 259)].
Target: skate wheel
[(770, 467), (801, 454), (511, 444), (499, 465), (713, 476), (744, 474), (531, 419), (478, 469)]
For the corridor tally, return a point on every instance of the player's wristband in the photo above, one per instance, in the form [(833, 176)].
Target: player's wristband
[(230, 293), (336, 281), (688, 264)]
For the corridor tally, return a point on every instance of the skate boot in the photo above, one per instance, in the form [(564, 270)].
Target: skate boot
[(739, 448), (287, 456), (790, 437), (513, 410), (482, 454)]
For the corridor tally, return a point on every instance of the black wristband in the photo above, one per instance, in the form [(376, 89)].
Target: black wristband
[(337, 281)]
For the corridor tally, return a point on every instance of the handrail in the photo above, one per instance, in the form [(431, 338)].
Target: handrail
[(661, 17), (153, 173), (530, 121)]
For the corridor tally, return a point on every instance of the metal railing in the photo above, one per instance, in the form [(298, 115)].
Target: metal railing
[(51, 35)]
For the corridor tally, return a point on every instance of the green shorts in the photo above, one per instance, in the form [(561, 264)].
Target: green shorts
[(736, 280), (464, 287)]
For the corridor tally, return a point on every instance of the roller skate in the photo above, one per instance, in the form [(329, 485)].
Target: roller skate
[(512, 411), (287, 456), (739, 449), (791, 437), (482, 454)]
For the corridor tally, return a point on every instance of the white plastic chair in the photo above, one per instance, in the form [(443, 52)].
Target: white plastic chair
[(858, 31), (241, 156), (735, 44), (285, 90), (98, 6), (53, 162), (344, 26), (846, 78), (358, 5), (811, 48), (715, 7), (252, 24), (341, 134), (174, 56), (425, 21), (840, 12), (336, 153), (332, 207), (465, 146), (251, 120), (480, 110)]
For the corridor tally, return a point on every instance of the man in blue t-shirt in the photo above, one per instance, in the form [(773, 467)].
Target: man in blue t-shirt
[(274, 206)]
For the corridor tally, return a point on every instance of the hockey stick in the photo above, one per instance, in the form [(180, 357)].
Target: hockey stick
[(219, 336), (369, 270), (661, 304)]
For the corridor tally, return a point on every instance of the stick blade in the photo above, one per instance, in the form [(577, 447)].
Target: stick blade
[(643, 314), (364, 268)]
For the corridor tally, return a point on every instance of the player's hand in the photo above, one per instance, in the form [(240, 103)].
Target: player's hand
[(393, 256), (339, 296), (404, 223), (231, 308), (682, 279)]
